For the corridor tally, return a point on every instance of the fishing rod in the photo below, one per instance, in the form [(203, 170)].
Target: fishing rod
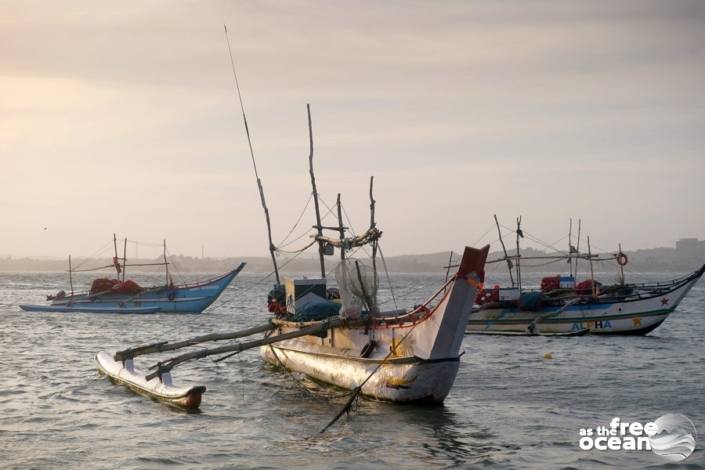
[(272, 248)]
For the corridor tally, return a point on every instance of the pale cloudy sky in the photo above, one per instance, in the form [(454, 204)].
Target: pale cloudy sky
[(121, 117)]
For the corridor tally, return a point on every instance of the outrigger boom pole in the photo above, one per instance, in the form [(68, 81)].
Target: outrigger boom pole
[(320, 329)]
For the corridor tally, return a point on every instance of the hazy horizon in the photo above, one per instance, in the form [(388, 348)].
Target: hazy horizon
[(124, 119), (153, 252)]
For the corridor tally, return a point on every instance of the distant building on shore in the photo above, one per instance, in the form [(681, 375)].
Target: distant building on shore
[(689, 250)]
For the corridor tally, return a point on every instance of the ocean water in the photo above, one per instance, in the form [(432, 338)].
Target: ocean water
[(510, 407)]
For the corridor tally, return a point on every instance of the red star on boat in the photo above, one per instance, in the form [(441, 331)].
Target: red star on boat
[(664, 301)]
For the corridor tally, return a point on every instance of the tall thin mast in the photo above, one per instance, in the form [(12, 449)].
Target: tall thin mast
[(319, 227), (520, 234), (373, 225), (577, 249), (70, 276), (166, 265), (592, 272), (272, 248), (341, 229), (124, 259), (116, 261), (570, 247), (504, 249)]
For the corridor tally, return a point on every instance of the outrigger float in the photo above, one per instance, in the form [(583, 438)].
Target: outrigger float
[(124, 296), (562, 307), (337, 335)]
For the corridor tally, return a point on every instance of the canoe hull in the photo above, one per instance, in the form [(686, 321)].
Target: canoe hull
[(162, 390), (406, 380), (89, 309), (407, 359)]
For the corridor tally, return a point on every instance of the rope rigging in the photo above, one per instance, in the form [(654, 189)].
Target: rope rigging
[(296, 224)]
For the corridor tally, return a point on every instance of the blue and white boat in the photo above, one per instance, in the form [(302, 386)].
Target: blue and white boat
[(563, 308), (124, 296), (185, 298), (626, 309)]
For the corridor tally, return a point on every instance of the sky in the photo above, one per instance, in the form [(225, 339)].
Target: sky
[(122, 117)]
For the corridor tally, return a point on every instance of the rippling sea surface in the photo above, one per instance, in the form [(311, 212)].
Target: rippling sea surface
[(509, 408)]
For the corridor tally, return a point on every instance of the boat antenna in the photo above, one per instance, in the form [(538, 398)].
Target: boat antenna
[(577, 248), (272, 248), (71, 276), (318, 227), (520, 234), (504, 249), (570, 247)]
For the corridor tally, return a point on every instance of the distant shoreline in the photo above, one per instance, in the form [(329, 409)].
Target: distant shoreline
[(685, 257)]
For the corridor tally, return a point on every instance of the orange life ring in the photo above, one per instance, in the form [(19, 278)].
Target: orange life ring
[(622, 259)]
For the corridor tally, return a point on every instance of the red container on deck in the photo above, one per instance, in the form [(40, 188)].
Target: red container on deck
[(550, 283)]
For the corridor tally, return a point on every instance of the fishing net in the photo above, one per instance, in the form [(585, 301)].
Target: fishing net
[(358, 285)]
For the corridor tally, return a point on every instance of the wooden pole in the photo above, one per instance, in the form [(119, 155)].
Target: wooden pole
[(124, 259), (504, 249), (577, 248), (153, 348), (70, 276), (116, 263), (272, 248), (519, 235), (570, 247), (373, 224), (166, 265), (592, 273), (450, 260), (319, 227), (318, 330), (341, 229)]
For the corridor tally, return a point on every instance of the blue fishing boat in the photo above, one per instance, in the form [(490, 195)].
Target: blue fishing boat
[(124, 296), (185, 298)]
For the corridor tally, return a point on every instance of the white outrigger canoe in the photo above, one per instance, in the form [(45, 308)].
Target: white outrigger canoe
[(403, 356), (412, 357), (417, 353)]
